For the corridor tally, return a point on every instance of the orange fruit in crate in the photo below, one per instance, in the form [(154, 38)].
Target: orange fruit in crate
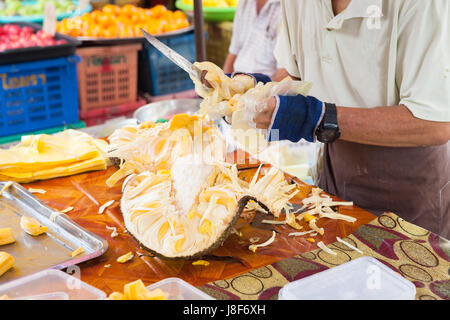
[(107, 19), (148, 13), (126, 21), (110, 32), (178, 14), (138, 17), (95, 15), (128, 10), (181, 24), (158, 10), (93, 31), (87, 18), (140, 26), (125, 32), (123, 21), (112, 9)]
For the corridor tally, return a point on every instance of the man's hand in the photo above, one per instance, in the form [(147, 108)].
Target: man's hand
[(265, 113)]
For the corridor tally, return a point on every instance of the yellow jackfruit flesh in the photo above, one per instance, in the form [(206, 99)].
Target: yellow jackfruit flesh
[(137, 291), (6, 236), (32, 226), (6, 262)]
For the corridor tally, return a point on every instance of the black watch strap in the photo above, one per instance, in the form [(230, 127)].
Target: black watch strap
[(328, 129), (331, 113)]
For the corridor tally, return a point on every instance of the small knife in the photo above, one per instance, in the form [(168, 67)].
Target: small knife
[(172, 55)]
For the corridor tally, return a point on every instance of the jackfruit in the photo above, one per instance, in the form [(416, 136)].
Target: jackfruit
[(32, 226), (6, 236), (188, 209), (6, 262)]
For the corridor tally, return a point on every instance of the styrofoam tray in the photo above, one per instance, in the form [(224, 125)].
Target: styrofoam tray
[(364, 278)]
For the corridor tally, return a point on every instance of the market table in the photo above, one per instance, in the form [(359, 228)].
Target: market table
[(234, 271)]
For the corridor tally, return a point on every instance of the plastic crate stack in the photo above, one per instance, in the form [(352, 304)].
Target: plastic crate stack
[(159, 77), (38, 89), (107, 80)]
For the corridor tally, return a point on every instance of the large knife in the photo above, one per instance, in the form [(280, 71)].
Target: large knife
[(175, 57)]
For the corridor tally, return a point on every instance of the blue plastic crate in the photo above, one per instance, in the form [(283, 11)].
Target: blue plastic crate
[(158, 75), (38, 95)]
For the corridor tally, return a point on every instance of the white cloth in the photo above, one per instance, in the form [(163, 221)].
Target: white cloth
[(374, 53), (254, 37)]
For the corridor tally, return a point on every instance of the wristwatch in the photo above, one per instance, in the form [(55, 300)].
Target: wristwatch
[(328, 129)]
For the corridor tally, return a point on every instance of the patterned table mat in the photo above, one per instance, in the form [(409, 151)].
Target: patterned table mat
[(415, 253)]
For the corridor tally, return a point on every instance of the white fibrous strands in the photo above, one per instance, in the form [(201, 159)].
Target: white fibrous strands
[(254, 247)]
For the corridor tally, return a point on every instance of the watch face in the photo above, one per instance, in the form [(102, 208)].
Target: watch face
[(328, 134)]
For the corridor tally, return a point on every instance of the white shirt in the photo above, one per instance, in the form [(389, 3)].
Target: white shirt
[(374, 53), (254, 37)]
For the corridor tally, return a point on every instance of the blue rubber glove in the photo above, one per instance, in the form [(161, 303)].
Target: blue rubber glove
[(297, 118)]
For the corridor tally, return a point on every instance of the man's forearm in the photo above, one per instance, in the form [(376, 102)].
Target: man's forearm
[(280, 75), (393, 126), (228, 66)]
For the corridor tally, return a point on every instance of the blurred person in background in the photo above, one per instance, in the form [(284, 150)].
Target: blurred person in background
[(255, 30)]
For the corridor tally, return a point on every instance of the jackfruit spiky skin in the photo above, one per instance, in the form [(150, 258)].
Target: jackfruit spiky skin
[(242, 203)]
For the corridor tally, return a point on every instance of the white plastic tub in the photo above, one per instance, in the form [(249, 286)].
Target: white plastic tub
[(364, 278), (178, 289), (50, 285)]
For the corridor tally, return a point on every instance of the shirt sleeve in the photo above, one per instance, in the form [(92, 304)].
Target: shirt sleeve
[(423, 59), (283, 52), (237, 24)]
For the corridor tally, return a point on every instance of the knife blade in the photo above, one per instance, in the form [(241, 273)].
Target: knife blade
[(174, 56)]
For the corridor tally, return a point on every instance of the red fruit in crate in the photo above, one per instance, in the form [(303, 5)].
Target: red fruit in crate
[(12, 29), (13, 37), (43, 35), (27, 29), (49, 42), (14, 45)]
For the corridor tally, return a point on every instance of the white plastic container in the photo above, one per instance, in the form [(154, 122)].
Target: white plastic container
[(50, 285), (178, 289), (364, 278)]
